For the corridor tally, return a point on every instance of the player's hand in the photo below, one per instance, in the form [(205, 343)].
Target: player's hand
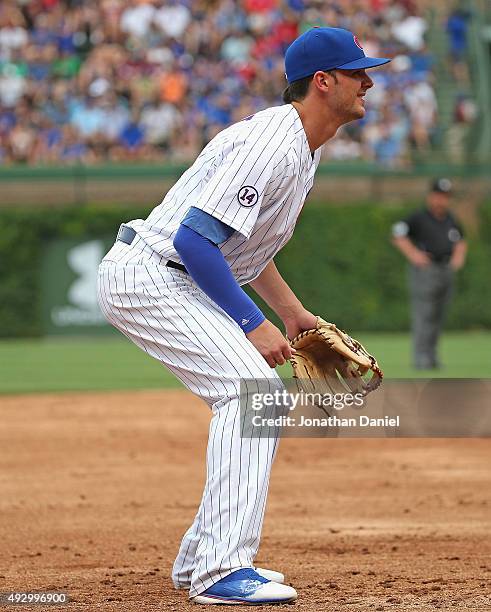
[(271, 343), (298, 322), (456, 264), (420, 259)]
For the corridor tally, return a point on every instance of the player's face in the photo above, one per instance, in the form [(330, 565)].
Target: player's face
[(348, 94), (438, 203)]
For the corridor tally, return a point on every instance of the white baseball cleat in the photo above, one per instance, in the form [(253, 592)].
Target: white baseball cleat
[(246, 587)]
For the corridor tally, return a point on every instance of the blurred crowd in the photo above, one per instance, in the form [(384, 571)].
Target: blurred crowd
[(92, 81)]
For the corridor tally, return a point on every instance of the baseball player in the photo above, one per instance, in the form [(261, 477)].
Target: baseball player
[(172, 284)]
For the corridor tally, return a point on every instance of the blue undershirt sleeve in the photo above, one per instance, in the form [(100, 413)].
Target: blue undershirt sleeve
[(206, 225), (209, 270)]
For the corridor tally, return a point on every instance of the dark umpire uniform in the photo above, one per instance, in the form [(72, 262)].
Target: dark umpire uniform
[(432, 241)]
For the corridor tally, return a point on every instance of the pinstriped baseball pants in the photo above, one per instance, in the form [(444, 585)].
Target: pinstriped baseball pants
[(163, 312)]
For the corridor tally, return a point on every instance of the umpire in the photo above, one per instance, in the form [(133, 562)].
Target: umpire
[(432, 241)]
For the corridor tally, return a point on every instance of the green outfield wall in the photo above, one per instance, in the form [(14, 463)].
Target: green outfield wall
[(340, 262), (145, 185)]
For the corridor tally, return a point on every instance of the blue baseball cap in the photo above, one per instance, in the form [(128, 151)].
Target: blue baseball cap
[(326, 49)]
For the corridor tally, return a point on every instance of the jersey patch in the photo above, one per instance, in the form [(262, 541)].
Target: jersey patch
[(454, 235), (400, 229), (247, 196)]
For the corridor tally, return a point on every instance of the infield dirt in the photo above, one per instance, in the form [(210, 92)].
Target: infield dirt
[(98, 489)]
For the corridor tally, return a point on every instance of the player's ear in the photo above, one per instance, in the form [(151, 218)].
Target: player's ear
[(320, 80)]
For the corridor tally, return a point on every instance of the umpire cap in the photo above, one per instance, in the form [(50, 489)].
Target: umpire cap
[(441, 185)]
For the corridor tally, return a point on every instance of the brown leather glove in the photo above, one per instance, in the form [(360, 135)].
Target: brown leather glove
[(327, 360)]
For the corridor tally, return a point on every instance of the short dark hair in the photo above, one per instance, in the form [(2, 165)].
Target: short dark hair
[(296, 91)]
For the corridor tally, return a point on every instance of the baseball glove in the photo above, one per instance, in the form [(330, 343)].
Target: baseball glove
[(327, 360)]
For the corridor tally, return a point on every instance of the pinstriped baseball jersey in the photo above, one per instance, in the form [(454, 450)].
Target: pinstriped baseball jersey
[(254, 176)]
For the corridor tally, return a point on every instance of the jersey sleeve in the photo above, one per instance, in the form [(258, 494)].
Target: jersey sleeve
[(406, 228), (236, 190), (207, 226), (459, 228)]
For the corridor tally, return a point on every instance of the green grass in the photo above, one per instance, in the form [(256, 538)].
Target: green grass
[(29, 366), (79, 365)]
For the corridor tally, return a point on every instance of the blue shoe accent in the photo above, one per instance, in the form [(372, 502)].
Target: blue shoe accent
[(247, 573), (240, 583)]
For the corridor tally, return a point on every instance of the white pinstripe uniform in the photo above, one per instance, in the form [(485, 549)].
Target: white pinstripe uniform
[(254, 176)]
